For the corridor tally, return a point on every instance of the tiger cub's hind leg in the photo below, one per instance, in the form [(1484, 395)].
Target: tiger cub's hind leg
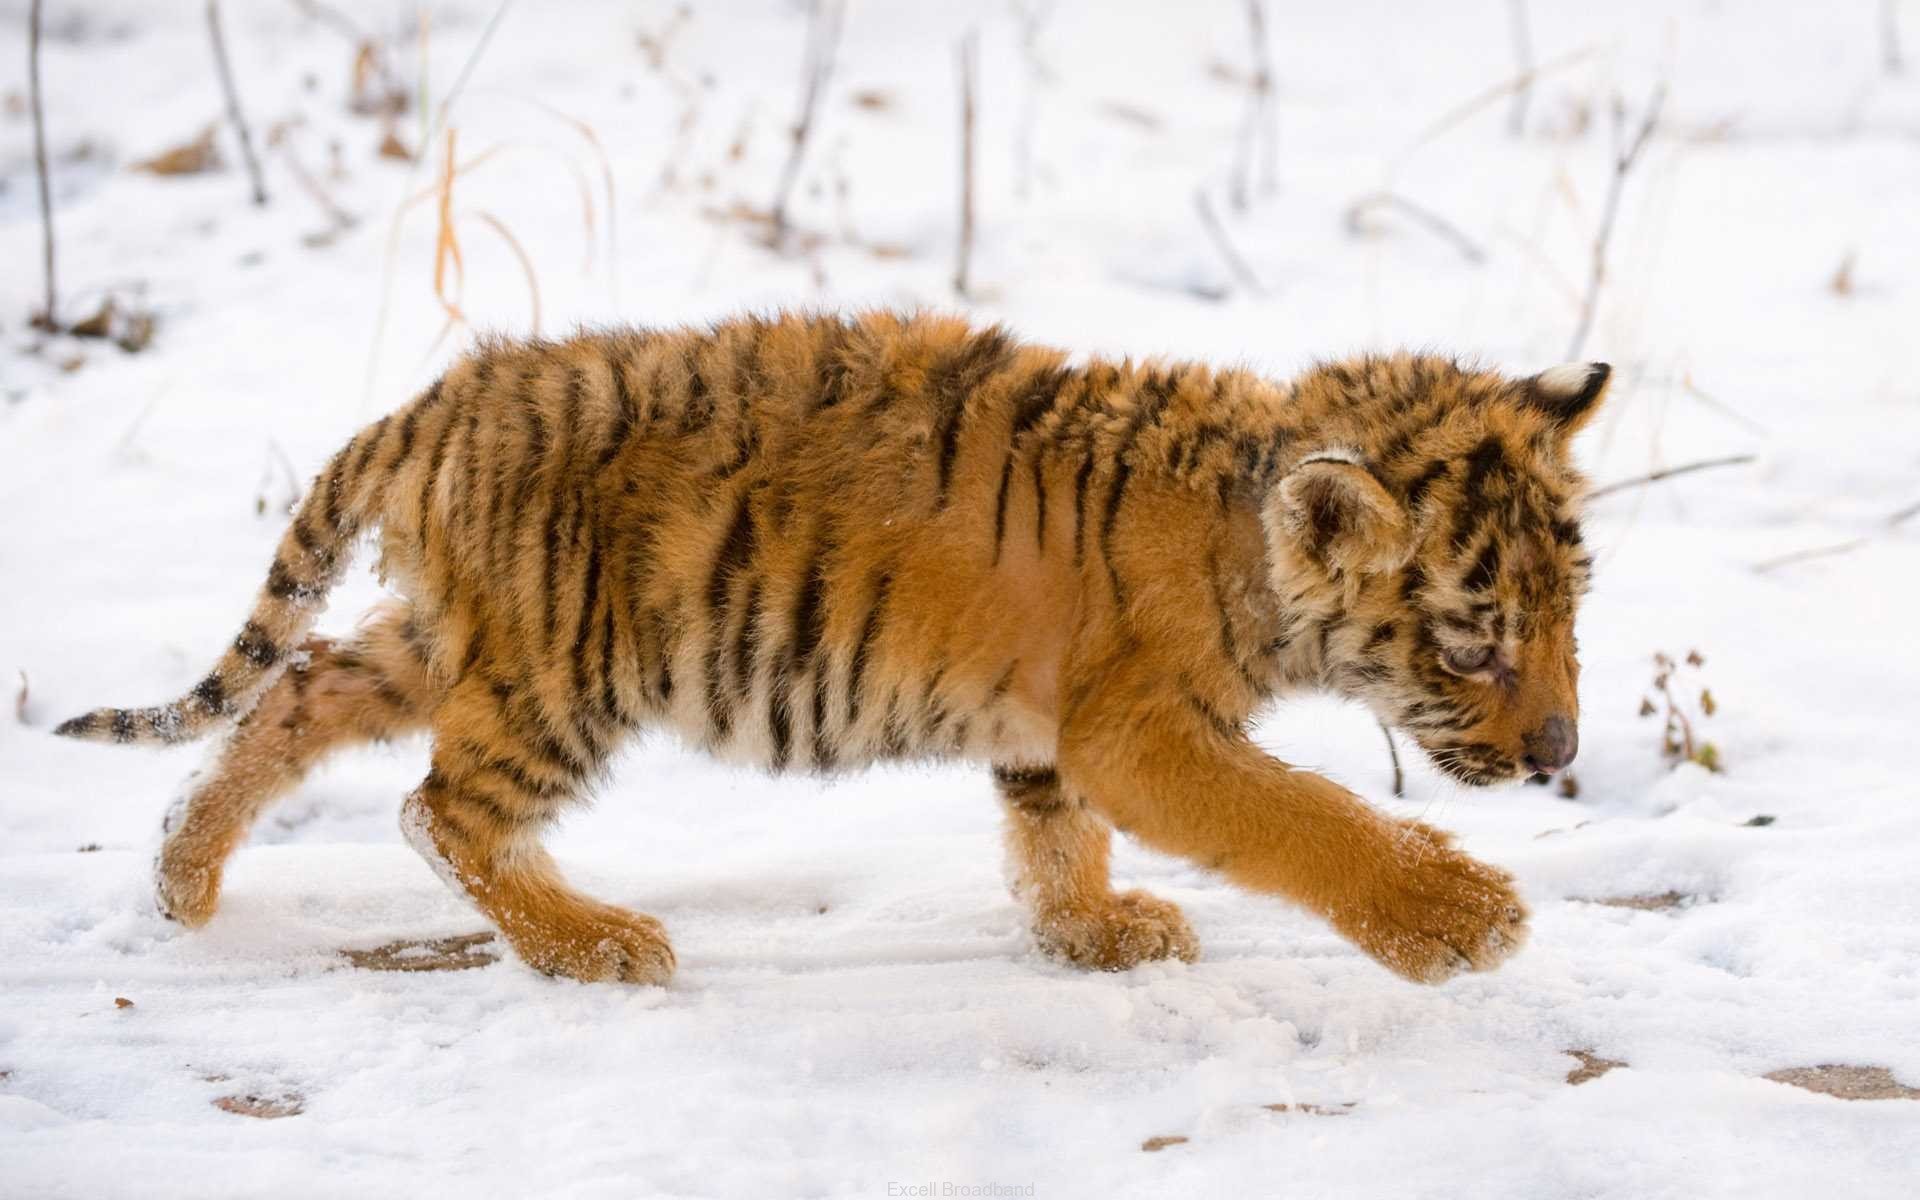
[(498, 778), (371, 687), (1057, 851)]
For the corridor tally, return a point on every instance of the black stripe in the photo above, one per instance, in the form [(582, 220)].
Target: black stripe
[(211, 692), (1080, 508), (735, 549), (863, 649), (1000, 507), (1485, 569)]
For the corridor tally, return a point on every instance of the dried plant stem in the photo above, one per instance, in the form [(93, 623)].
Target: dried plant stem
[(1815, 552), (1393, 753), (234, 112), (969, 56), (1905, 514), (1523, 58), (1256, 128), (824, 18), (1473, 104), (1626, 154), (1890, 37), (1731, 460), (48, 317), (1433, 222), (1242, 273)]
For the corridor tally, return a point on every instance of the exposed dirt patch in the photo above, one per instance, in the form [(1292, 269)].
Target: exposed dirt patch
[(1658, 902), (265, 1108), (462, 953), (1154, 1145), (1591, 1067), (1846, 1082)]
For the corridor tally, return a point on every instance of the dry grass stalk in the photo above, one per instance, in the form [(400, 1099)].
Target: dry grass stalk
[(1242, 273), (1731, 460), (1426, 218), (1257, 131), (1625, 154), (969, 64), (48, 317), (234, 112), (1890, 56), (824, 18), (1523, 58)]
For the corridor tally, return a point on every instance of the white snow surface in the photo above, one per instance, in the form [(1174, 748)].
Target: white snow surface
[(858, 1007)]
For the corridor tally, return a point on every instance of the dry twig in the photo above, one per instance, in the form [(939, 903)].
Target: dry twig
[(1890, 36), (234, 113), (48, 317), (1523, 57), (1242, 273), (969, 81), (1256, 128), (824, 18), (1731, 460), (1626, 154), (1426, 218)]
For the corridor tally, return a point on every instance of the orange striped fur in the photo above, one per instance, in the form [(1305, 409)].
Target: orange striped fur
[(811, 543)]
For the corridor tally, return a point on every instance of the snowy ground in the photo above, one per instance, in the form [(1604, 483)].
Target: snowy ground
[(857, 1005)]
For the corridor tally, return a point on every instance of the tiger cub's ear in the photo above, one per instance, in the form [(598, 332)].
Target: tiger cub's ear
[(1569, 394), (1331, 510)]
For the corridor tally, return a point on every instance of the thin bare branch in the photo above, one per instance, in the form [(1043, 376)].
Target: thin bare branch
[(49, 316), (1890, 37), (1799, 556), (1473, 104), (824, 18), (969, 56), (1626, 154), (1257, 127), (234, 112), (1732, 460), (1242, 273), (1904, 515), (1431, 221), (1523, 58)]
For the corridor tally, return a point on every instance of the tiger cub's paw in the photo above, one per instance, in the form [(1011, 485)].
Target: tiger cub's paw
[(1125, 930), (594, 944), (1436, 912)]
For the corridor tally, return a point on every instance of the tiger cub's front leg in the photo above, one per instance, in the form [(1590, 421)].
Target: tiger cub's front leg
[(1057, 862)]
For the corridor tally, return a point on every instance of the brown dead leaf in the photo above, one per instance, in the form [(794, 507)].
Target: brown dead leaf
[(1569, 786), (190, 158), (1842, 282), (265, 1108), (462, 953), (122, 1002), (1154, 1145), (96, 326), (872, 100), (392, 147), (1846, 1082), (1591, 1067)]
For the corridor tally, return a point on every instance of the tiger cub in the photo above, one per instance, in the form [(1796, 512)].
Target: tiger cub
[(814, 542)]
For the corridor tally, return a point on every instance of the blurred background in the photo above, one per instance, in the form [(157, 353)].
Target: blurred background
[(270, 227)]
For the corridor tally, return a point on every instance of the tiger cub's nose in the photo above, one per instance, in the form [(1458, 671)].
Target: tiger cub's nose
[(1553, 745)]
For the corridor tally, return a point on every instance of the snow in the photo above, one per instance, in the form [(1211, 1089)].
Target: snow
[(858, 1004)]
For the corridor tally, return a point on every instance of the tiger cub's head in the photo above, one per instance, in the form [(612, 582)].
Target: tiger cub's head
[(1446, 563)]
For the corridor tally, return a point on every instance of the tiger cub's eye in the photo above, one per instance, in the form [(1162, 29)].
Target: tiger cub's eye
[(1467, 661)]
